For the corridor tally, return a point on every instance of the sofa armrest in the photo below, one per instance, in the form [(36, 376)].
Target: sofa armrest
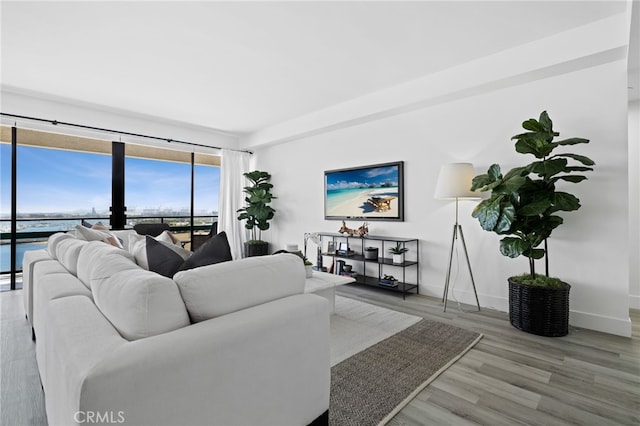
[(78, 337), (268, 364), (31, 257)]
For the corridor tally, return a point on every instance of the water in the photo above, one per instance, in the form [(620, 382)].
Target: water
[(21, 249)]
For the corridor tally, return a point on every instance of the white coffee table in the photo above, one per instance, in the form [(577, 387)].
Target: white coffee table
[(324, 284)]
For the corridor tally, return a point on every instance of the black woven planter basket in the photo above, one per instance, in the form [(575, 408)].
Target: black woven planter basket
[(538, 310)]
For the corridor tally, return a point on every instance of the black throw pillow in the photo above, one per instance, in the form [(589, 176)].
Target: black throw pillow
[(215, 250), (161, 258)]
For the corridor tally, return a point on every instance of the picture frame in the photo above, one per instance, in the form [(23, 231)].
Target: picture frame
[(371, 192)]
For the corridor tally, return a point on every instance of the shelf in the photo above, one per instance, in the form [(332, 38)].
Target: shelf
[(382, 260), (384, 265), (373, 282)]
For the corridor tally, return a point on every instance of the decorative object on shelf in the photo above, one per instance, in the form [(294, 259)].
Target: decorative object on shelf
[(375, 192), (293, 249), (347, 268), (454, 182), (308, 267), (521, 208), (343, 250), (360, 232), (257, 213), (397, 253), (331, 247), (371, 253), (388, 281), (315, 238)]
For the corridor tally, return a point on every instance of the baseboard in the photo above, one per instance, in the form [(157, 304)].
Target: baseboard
[(634, 301), (467, 297), (617, 326)]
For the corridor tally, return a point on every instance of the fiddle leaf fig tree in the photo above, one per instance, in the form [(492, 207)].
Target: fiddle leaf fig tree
[(523, 202), (257, 213)]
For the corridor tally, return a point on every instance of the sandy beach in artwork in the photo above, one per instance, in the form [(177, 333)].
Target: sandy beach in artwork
[(354, 203)]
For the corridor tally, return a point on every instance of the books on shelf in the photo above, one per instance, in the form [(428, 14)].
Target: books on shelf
[(388, 282)]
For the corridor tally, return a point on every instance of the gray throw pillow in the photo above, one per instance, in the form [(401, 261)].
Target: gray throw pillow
[(162, 259), (215, 250)]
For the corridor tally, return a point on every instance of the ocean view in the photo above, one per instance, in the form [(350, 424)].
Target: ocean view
[(21, 249)]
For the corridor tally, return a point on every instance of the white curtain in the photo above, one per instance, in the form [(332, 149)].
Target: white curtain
[(232, 166)]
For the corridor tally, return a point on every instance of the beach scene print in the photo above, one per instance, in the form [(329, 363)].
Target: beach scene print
[(366, 192)]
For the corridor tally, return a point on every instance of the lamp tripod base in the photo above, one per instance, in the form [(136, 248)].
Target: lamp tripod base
[(457, 229)]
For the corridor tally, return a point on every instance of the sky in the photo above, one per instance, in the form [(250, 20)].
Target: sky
[(363, 176), (52, 181)]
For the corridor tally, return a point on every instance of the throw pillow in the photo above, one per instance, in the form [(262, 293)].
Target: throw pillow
[(157, 256), (215, 250), (168, 237), (91, 234), (161, 257)]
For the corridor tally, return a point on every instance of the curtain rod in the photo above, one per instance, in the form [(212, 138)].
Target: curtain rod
[(119, 132)]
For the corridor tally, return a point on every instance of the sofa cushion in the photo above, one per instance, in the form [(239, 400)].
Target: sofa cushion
[(214, 290), (140, 303), (215, 250), (67, 252), (99, 261), (53, 241)]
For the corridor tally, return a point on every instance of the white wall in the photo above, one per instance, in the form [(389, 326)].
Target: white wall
[(589, 251), (38, 105), (634, 204)]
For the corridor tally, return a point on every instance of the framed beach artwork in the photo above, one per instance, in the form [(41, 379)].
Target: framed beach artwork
[(372, 192)]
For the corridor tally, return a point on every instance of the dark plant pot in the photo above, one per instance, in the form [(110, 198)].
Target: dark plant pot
[(539, 310), (256, 249)]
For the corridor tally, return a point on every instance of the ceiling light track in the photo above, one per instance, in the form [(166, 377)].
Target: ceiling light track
[(111, 131)]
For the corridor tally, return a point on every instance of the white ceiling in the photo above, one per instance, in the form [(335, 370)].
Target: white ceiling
[(244, 66)]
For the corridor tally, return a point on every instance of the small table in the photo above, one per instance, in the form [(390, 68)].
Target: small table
[(324, 284)]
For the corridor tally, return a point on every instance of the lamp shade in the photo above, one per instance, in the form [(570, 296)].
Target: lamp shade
[(454, 181)]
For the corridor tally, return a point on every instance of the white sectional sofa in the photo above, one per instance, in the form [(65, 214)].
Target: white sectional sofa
[(231, 343)]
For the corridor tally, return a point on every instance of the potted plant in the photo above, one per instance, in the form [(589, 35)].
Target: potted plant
[(257, 213), (522, 207), (308, 266), (397, 253)]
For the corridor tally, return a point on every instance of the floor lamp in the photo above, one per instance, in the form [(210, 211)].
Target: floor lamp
[(454, 183)]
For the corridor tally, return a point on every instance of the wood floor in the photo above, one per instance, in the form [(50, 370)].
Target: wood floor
[(508, 378), (512, 378)]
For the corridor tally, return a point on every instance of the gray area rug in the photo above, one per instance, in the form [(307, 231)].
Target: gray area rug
[(370, 387)]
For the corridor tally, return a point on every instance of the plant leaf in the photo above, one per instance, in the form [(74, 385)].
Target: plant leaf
[(534, 253), (480, 182), (512, 246), (548, 168), (571, 141), (571, 178), (565, 202), (533, 125), (581, 158), (546, 122), (494, 172), (535, 208), (507, 215), (488, 212)]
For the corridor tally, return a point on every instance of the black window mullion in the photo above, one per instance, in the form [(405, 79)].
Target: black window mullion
[(118, 217)]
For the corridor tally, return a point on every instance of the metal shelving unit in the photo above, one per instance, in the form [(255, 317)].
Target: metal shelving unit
[(380, 266)]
